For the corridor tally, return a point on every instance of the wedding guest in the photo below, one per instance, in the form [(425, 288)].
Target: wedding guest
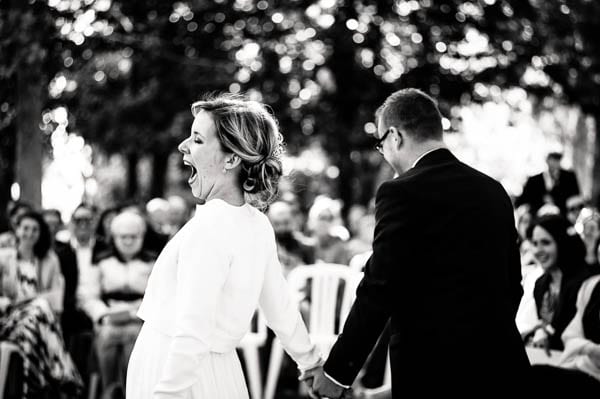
[(290, 249), (327, 231), (70, 319), (102, 234), (121, 280), (31, 299), (179, 213), (579, 367), (53, 219), (362, 241), (574, 205), (553, 186), (14, 210), (7, 238), (560, 253), (588, 227)]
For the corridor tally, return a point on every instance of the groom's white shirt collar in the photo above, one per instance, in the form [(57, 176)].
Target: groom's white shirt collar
[(425, 153), (335, 381)]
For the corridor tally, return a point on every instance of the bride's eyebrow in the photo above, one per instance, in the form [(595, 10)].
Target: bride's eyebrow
[(197, 133)]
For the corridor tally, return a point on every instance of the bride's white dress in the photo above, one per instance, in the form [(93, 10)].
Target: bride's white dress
[(201, 296)]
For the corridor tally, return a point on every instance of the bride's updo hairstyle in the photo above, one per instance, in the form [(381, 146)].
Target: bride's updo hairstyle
[(247, 129)]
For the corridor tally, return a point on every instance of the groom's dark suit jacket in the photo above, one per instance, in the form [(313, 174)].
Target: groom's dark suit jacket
[(445, 271)]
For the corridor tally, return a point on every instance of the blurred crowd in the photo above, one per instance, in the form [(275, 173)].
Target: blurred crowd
[(69, 292)]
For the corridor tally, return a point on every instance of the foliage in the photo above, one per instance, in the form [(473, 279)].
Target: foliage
[(131, 68)]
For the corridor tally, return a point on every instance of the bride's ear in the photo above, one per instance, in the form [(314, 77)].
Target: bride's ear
[(232, 161)]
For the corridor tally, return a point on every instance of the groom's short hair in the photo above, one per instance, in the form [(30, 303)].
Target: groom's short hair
[(413, 111)]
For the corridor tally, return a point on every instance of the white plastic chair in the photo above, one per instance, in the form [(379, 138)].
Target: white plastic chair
[(325, 320), (249, 346), (358, 261), (7, 349)]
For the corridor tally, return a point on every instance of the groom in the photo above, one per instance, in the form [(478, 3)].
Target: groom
[(445, 271)]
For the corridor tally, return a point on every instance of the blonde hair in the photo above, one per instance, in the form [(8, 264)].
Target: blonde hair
[(247, 129)]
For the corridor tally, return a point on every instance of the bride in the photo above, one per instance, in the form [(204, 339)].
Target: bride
[(222, 265)]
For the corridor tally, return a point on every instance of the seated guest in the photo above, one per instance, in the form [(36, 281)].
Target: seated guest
[(53, 219), (103, 239), (14, 210), (560, 253), (121, 280), (72, 319), (154, 240), (290, 250), (579, 367), (574, 205), (588, 227), (31, 299), (7, 238), (362, 241), (179, 213), (328, 232)]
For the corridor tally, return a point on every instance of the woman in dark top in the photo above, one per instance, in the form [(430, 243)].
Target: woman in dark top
[(561, 254), (579, 366)]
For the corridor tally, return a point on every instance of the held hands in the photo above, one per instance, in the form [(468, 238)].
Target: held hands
[(593, 352), (541, 339), (319, 386)]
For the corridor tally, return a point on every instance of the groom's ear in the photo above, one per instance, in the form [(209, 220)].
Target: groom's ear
[(399, 137)]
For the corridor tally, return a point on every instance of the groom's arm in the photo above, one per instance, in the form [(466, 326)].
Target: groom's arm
[(372, 307)]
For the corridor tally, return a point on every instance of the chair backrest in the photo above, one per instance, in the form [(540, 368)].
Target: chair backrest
[(257, 336), (358, 261), (329, 305)]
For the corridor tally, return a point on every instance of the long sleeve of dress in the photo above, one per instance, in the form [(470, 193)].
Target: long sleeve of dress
[(283, 317), (202, 269)]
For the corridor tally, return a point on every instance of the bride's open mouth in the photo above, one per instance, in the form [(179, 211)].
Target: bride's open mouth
[(194, 172)]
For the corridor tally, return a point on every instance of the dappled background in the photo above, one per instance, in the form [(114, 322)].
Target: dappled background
[(95, 94)]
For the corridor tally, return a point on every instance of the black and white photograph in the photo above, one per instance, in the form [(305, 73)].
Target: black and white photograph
[(299, 199)]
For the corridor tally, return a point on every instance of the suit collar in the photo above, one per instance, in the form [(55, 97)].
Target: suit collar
[(435, 157)]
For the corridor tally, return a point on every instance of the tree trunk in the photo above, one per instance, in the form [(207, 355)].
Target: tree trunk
[(343, 67), (596, 167), (160, 162), (7, 173), (583, 144), (132, 176), (28, 169)]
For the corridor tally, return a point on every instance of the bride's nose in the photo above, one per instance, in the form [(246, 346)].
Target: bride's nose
[(182, 147)]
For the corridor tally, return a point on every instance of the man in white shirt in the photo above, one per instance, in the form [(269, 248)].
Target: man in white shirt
[(82, 241)]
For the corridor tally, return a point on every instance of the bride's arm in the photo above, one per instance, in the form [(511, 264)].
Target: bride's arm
[(283, 317), (202, 269)]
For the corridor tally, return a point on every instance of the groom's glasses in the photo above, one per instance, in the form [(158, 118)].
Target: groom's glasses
[(379, 143)]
